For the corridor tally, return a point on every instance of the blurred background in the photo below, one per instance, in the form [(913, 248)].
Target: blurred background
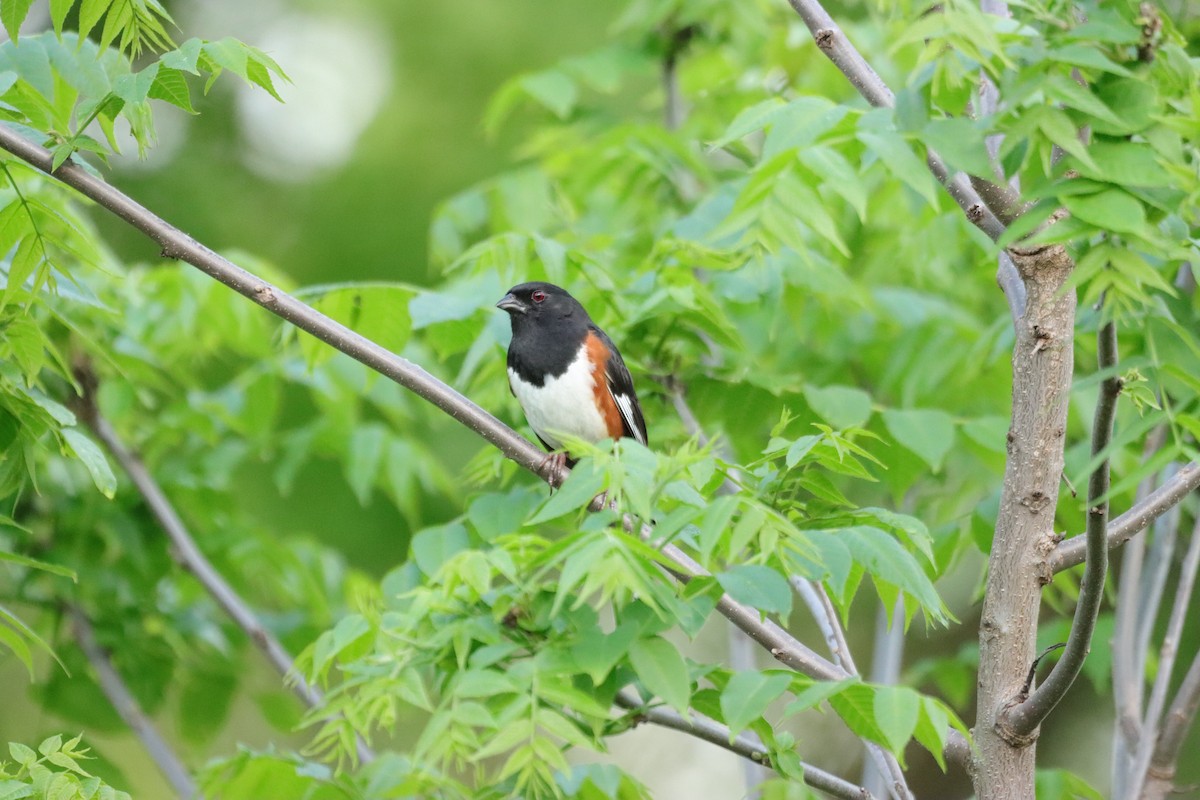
[(382, 121)]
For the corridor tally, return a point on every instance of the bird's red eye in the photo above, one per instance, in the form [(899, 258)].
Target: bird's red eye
[(538, 296)]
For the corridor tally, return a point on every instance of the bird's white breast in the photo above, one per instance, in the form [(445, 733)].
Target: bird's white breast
[(566, 404)]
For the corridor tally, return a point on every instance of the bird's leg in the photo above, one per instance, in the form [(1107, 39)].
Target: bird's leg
[(552, 467)]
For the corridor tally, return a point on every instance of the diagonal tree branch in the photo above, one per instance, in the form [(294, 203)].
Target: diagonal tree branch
[(127, 707), (710, 730), (1071, 552), (1028, 714), (187, 554), (175, 244), (833, 43)]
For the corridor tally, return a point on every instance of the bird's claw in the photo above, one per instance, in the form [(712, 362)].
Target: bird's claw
[(552, 467)]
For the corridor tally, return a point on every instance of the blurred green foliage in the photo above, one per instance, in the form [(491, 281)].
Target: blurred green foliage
[(780, 260)]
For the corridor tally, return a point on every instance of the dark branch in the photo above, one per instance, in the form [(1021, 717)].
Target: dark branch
[(127, 706), (1027, 715), (710, 730), (1071, 552)]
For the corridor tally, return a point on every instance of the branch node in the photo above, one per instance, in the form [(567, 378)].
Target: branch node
[(264, 295), (1005, 732), (824, 38)]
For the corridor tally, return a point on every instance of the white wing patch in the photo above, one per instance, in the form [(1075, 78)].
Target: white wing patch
[(565, 404), (625, 406)]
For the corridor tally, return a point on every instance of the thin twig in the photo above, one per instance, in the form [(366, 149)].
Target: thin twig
[(710, 730), (187, 554), (127, 707), (833, 43), (1070, 552), (823, 613), (1166, 660), (1024, 717), (1179, 719)]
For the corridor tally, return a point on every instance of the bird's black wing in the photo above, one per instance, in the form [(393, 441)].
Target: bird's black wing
[(620, 385)]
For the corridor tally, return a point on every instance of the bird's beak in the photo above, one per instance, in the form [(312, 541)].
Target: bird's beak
[(511, 304)]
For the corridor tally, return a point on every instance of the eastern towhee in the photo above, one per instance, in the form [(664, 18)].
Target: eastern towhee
[(566, 373)]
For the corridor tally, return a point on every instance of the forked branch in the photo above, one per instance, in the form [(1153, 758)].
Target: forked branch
[(1071, 552), (1024, 717)]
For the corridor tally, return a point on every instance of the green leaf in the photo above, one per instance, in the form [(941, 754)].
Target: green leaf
[(170, 85), (93, 459), (926, 432), (1059, 129), (58, 13), (554, 90), (13, 13), (21, 754), (662, 670), (819, 691), (887, 560), (583, 484), (364, 455), (433, 547), (897, 709), (747, 696), (961, 143), (758, 586), (751, 119), (1111, 210), (15, 790), (1135, 102), (899, 158), (840, 406), (33, 563)]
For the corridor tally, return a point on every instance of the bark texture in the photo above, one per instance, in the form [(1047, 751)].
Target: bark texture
[(1018, 566)]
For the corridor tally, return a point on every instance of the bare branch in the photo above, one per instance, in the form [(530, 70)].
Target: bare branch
[(1166, 660), (710, 730), (819, 605), (833, 43), (1128, 666), (127, 706), (187, 554), (1071, 552), (1180, 717), (1026, 716)]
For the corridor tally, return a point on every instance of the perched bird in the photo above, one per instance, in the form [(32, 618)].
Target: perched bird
[(566, 373)]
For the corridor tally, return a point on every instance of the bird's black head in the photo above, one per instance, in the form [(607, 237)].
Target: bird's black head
[(540, 304)]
